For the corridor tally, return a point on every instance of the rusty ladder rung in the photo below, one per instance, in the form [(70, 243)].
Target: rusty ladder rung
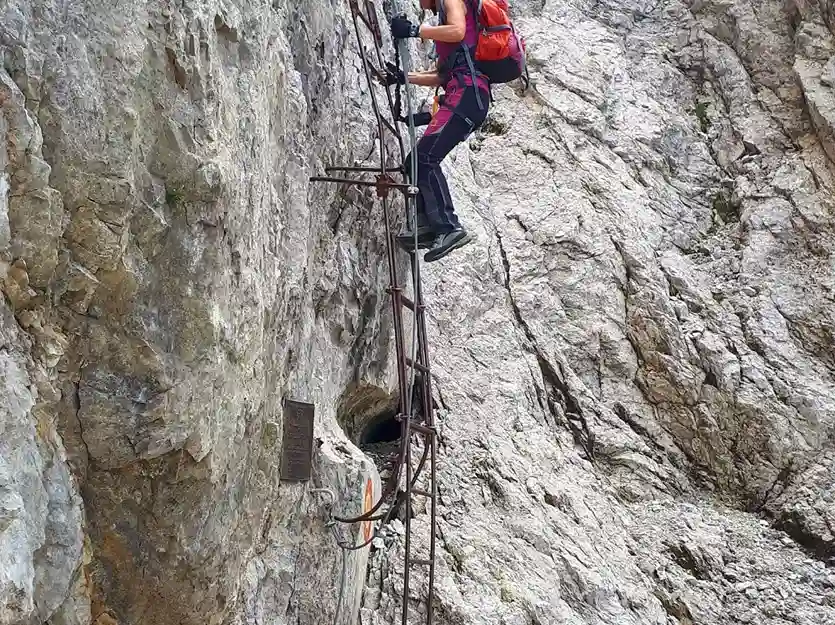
[(393, 168), (408, 303), (371, 12), (405, 188), (371, 23), (364, 19), (423, 429), (420, 561), (390, 127), (416, 365)]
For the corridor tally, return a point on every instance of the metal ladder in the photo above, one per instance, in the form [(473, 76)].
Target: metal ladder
[(413, 372)]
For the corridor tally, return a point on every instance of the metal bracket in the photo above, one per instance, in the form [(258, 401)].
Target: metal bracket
[(383, 184)]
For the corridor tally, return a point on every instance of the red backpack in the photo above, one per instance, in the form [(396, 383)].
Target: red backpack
[(499, 52)]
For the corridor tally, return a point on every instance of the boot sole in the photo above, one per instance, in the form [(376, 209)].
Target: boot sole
[(409, 244), (430, 258)]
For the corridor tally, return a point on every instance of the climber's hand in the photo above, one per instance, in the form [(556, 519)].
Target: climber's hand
[(394, 75), (402, 28), (419, 119)]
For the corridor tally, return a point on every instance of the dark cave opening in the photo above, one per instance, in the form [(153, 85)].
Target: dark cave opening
[(380, 440), (384, 429), (367, 414)]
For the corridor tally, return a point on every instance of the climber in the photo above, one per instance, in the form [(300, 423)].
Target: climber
[(463, 108)]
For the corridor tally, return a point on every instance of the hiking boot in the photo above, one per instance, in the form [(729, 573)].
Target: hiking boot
[(426, 236), (447, 242)]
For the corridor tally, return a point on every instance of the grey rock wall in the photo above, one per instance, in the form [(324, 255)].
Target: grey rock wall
[(168, 278), (634, 361)]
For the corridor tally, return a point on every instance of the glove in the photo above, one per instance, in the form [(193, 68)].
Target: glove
[(394, 75), (402, 28), (419, 119)]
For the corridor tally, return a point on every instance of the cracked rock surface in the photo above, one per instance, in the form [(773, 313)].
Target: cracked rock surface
[(633, 361), (168, 278)]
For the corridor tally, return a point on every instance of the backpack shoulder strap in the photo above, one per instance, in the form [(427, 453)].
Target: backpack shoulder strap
[(475, 7)]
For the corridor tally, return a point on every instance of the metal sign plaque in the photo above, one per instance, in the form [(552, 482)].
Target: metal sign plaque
[(297, 443)]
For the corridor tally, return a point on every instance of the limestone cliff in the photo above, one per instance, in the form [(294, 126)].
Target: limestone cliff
[(634, 361), (169, 278)]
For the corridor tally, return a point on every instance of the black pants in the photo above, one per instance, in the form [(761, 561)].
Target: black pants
[(457, 117)]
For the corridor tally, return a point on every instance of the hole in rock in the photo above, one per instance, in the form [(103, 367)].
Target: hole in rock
[(367, 414), (384, 429)]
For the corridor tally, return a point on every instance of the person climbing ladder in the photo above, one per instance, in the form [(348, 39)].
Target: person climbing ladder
[(463, 108), (416, 407), (477, 46)]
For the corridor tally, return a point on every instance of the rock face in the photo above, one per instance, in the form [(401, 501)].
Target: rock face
[(168, 279), (634, 361)]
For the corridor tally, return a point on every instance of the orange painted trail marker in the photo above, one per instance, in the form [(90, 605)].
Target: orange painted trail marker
[(368, 502)]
